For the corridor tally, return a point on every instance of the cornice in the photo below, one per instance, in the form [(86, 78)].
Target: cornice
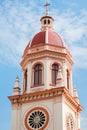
[(45, 53), (45, 95)]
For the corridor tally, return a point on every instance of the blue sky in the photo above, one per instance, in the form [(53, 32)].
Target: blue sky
[(19, 22)]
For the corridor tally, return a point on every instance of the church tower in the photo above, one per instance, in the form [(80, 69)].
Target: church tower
[(47, 100)]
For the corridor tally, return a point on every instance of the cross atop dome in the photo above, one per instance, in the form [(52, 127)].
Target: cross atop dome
[(47, 21), (46, 5)]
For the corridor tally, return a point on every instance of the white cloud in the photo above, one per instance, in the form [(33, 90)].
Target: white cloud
[(16, 23), (73, 29), (83, 123), (71, 25), (20, 21)]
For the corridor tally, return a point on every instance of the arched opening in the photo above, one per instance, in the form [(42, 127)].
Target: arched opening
[(48, 21), (68, 79), (55, 68), (70, 122), (45, 21), (25, 80), (38, 74)]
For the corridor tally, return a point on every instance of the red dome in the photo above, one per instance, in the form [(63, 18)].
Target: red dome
[(52, 38), (42, 38)]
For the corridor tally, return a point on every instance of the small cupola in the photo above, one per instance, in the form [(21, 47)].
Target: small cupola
[(46, 21)]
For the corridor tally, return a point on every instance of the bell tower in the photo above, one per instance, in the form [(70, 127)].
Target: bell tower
[(46, 100)]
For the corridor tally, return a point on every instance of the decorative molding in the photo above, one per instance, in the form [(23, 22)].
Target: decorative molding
[(45, 95), (47, 50)]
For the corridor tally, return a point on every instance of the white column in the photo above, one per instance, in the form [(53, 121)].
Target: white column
[(16, 118), (22, 81), (64, 74), (46, 36), (78, 114), (46, 73), (29, 77), (71, 84), (58, 119)]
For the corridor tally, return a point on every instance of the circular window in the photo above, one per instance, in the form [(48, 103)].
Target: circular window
[(36, 118)]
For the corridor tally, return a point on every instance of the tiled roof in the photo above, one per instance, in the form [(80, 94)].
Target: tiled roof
[(53, 39)]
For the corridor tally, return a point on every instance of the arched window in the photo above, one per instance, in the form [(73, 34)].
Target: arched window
[(68, 78), (45, 21), (70, 122), (55, 68), (48, 21), (25, 80), (38, 74)]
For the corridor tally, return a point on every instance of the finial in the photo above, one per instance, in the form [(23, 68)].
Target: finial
[(59, 75), (46, 5), (16, 89), (16, 82), (59, 80), (75, 94)]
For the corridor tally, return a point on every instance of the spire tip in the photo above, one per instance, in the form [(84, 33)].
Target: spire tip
[(46, 5)]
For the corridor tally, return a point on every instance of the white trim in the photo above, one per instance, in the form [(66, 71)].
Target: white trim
[(46, 36)]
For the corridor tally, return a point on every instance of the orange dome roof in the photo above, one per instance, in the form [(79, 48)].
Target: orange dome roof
[(49, 37)]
